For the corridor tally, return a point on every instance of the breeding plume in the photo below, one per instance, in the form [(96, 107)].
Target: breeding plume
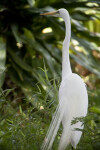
[(73, 98)]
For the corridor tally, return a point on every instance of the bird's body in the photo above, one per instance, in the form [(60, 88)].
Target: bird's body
[(74, 96), (73, 99)]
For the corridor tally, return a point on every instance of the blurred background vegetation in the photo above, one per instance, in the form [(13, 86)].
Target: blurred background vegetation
[(30, 69)]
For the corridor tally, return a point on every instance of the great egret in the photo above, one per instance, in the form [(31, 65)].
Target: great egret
[(73, 97)]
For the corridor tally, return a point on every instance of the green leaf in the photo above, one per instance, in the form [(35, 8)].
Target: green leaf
[(31, 2), (16, 34), (19, 61), (95, 109), (2, 59), (38, 47)]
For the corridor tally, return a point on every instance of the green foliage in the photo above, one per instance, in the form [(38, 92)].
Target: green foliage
[(24, 123), (29, 95), (91, 132)]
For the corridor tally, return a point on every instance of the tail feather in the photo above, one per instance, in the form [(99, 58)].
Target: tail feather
[(54, 126), (50, 132)]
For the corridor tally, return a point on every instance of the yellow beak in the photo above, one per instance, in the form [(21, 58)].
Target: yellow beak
[(49, 13)]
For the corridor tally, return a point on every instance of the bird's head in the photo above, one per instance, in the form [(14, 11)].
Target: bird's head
[(58, 13)]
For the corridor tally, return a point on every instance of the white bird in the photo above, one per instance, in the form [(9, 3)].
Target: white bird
[(73, 97)]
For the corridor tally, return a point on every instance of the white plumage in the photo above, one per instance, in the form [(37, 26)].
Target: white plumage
[(73, 98)]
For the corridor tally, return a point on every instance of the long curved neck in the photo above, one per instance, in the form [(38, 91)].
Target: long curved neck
[(66, 68)]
